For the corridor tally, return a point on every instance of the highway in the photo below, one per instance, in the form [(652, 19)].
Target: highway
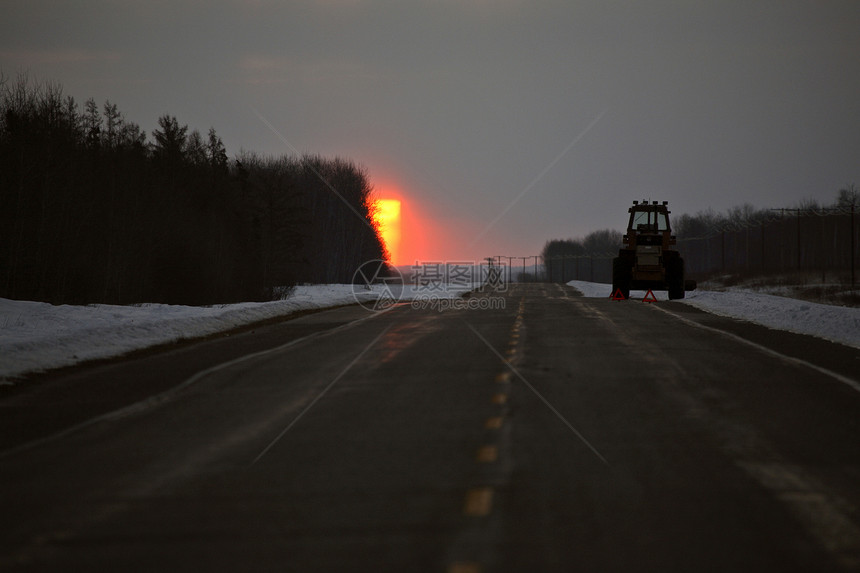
[(558, 433)]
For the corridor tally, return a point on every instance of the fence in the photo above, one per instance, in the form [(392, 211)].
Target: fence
[(787, 240), (595, 268), (559, 269)]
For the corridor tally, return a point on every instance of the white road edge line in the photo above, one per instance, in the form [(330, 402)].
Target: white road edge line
[(162, 397), (791, 359)]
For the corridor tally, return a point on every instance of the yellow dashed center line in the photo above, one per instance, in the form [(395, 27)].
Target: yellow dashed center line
[(479, 502), (487, 454), (464, 567)]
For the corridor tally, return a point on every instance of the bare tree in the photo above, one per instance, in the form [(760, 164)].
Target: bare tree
[(848, 197)]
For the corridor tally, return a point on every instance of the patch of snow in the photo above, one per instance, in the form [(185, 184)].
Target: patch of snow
[(37, 336), (835, 323)]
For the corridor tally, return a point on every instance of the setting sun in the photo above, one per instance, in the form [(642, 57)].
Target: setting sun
[(388, 222)]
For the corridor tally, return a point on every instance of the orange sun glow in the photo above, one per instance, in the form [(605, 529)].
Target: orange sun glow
[(388, 223)]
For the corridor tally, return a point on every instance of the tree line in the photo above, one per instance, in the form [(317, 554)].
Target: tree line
[(809, 237), (93, 210), (581, 259), (709, 222)]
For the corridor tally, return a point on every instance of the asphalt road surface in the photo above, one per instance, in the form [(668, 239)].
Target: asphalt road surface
[(558, 433)]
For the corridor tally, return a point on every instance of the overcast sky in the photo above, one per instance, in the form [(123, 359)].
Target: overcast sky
[(500, 124)]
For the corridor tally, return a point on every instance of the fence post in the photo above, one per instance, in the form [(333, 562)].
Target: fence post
[(798, 239), (852, 245)]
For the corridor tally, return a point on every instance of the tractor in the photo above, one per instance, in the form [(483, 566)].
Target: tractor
[(648, 261)]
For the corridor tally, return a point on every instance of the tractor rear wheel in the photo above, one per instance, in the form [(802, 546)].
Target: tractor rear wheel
[(675, 277), (621, 276)]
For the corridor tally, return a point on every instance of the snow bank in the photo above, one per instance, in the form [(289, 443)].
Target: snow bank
[(36, 336), (834, 323)]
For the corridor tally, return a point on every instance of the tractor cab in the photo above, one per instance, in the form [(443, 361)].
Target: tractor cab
[(649, 225)]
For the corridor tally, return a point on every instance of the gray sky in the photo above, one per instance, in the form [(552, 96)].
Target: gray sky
[(461, 107)]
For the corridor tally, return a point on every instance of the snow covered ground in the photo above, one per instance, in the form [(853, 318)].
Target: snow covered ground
[(835, 323), (36, 336)]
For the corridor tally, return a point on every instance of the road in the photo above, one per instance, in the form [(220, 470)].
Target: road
[(558, 433)]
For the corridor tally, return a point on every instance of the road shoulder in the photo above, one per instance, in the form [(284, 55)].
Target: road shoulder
[(51, 402), (834, 357)]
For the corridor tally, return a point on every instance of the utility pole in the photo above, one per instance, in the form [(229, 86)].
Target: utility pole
[(510, 259)]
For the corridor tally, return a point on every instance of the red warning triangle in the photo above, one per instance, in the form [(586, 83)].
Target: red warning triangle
[(618, 295), (650, 294)]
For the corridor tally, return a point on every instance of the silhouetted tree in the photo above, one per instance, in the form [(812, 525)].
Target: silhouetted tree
[(92, 123), (169, 139), (848, 197), (216, 154), (195, 149), (90, 211)]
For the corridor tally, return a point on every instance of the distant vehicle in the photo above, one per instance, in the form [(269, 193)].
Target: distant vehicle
[(647, 260)]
